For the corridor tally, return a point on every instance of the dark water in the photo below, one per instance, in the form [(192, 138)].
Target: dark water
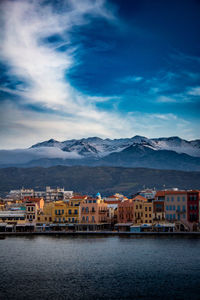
[(100, 268)]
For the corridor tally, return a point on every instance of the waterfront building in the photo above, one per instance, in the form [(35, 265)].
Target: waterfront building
[(45, 217), (31, 212), (176, 205), (39, 201), (73, 208), (94, 211), (147, 217), (136, 210), (158, 210), (59, 212), (193, 198), (12, 217)]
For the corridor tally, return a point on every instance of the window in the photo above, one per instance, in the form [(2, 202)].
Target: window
[(178, 199), (145, 208), (172, 199), (69, 219), (145, 215), (73, 220), (27, 216), (76, 212), (56, 211), (167, 199), (167, 207), (59, 220), (70, 211), (170, 207), (149, 208), (93, 220), (183, 198), (174, 216), (87, 209), (83, 209), (183, 208), (38, 218), (83, 218), (136, 206), (149, 215), (59, 211), (87, 218), (174, 207), (178, 207), (183, 216), (63, 211), (64, 219)]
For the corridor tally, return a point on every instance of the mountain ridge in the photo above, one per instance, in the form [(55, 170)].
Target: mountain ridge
[(138, 151)]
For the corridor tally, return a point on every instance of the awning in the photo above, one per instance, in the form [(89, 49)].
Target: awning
[(164, 225), (9, 226), (146, 225), (124, 224)]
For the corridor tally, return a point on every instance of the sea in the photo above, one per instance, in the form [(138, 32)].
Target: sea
[(100, 267)]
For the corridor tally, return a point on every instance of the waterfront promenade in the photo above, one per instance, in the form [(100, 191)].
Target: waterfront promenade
[(97, 233)]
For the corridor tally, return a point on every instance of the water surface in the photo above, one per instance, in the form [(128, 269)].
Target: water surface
[(150, 267)]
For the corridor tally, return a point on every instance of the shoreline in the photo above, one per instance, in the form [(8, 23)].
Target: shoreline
[(99, 233)]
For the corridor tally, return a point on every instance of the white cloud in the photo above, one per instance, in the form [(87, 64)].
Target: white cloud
[(24, 27), (195, 91), (130, 79)]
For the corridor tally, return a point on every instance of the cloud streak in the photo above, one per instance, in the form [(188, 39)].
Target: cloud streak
[(32, 36)]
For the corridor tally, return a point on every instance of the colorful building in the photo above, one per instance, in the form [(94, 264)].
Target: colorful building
[(176, 206), (94, 211), (193, 198), (73, 208), (137, 211)]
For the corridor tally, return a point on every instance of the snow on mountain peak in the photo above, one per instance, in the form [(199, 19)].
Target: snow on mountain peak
[(97, 147)]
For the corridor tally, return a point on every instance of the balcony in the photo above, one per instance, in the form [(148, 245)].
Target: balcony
[(103, 211)]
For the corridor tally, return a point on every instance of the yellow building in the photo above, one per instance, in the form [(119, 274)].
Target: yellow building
[(61, 212), (45, 217), (147, 213), (73, 208)]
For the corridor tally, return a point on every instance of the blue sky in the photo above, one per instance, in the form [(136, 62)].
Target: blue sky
[(72, 69)]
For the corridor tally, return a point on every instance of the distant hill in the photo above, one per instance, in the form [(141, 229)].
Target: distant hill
[(106, 180), (161, 153)]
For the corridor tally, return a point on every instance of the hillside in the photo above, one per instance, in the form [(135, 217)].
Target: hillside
[(106, 180)]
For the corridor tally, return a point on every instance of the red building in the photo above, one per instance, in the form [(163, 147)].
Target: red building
[(193, 198)]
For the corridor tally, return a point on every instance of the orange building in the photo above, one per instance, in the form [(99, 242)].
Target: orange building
[(94, 211), (39, 201), (137, 211)]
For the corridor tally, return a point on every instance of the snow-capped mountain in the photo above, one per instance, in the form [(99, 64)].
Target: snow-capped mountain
[(138, 151), (97, 147)]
